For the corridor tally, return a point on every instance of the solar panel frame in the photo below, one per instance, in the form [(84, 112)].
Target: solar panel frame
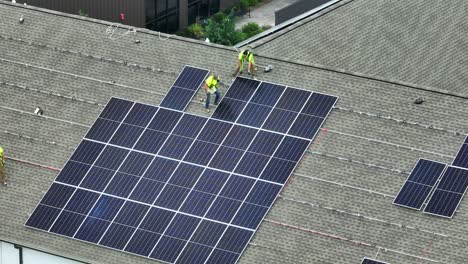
[(372, 261), (214, 250), (436, 189), (408, 180), (194, 91)]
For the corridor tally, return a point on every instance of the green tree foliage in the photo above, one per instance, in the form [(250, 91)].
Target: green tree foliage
[(253, 2), (251, 29), (222, 32)]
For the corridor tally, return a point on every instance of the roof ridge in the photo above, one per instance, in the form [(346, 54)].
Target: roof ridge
[(282, 29)]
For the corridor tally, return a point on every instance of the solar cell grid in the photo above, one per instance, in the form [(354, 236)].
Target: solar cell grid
[(419, 184), (161, 184), (461, 160), (448, 193)]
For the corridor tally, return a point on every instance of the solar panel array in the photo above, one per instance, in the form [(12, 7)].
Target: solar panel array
[(372, 261), (184, 88), (419, 184), (178, 187)]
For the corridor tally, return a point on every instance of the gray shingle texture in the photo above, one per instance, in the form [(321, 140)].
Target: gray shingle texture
[(415, 41), (337, 206)]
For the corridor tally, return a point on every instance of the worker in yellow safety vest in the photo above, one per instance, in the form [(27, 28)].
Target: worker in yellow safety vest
[(211, 87), (246, 56), (3, 179)]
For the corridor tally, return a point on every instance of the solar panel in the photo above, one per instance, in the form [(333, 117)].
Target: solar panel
[(177, 187), (419, 184), (372, 261), (461, 160), (448, 193), (184, 88)]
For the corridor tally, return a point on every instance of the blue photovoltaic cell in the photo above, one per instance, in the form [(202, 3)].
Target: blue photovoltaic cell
[(146, 191), (136, 163), (165, 120), (201, 152), (189, 126), (194, 254), (254, 115), (448, 193), (268, 94), (58, 195), (177, 98), (117, 236), (172, 197), (240, 137), (215, 131), (111, 157), (173, 186), (371, 261), (151, 141), (293, 99), (102, 130), (157, 220), (126, 135), (140, 115), (306, 126), (73, 172), (461, 160), (319, 105), (82, 201), (161, 169), (229, 109), (197, 203), (191, 78), (419, 184), (116, 109), (242, 89), (87, 151), (97, 179), (208, 233), (142, 242), (280, 120), (67, 223)]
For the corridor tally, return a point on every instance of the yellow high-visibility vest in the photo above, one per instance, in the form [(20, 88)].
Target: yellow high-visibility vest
[(212, 82)]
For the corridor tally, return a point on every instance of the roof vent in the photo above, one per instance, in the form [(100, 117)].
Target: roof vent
[(268, 68), (137, 41), (419, 100), (38, 111), (21, 19)]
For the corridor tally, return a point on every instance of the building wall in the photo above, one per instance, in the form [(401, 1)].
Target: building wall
[(296, 9), (108, 10), (224, 4)]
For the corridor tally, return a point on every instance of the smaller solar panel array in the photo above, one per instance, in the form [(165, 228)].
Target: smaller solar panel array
[(419, 184), (444, 185), (184, 88), (372, 261)]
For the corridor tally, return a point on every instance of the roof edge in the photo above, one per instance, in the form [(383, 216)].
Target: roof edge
[(161, 35), (292, 24)]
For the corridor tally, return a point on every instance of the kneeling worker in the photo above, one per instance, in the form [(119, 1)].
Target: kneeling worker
[(3, 179), (211, 87)]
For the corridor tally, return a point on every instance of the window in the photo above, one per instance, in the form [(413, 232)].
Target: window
[(162, 15)]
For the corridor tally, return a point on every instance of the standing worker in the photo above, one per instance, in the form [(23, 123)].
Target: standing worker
[(211, 86), (251, 68), (2, 164), (240, 63)]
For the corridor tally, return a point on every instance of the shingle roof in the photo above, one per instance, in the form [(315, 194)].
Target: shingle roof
[(337, 206), (416, 42)]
